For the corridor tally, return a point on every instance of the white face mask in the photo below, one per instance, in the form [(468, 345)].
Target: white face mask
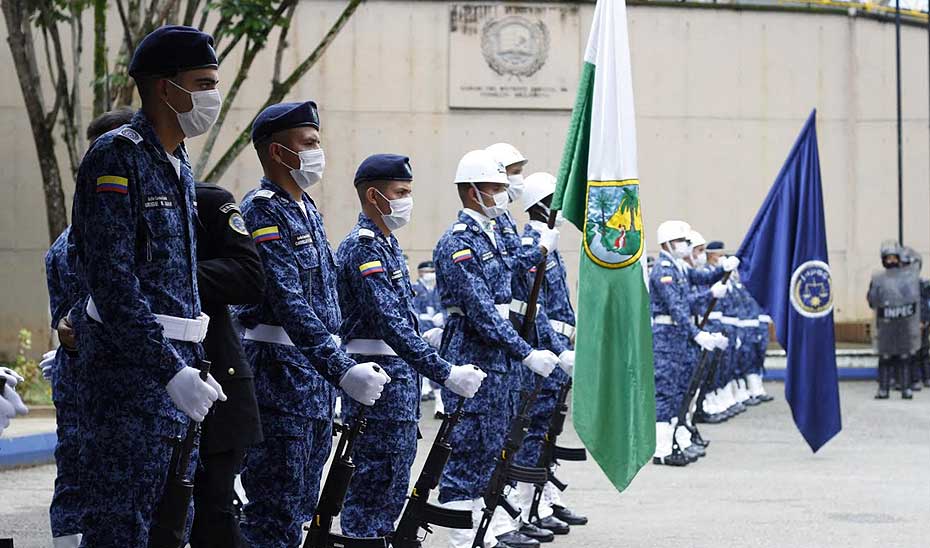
[(700, 260), (429, 278), (680, 250), (205, 111), (500, 203), (515, 190), (312, 164), (401, 210)]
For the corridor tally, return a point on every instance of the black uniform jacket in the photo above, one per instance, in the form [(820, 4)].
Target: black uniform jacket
[(229, 271)]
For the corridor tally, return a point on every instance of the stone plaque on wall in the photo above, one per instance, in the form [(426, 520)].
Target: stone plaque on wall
[(513, 55)]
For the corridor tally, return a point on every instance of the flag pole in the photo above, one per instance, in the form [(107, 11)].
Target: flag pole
[(897, 25)]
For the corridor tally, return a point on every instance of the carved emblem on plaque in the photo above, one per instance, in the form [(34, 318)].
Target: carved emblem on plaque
[(514, 45)]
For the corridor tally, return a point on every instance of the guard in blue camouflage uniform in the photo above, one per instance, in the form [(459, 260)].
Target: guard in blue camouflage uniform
[(380, 324), (556, 330), (724, 404), (673, 329), (65, 289), (289, 339), (140, 328), (470, 269), (519, 259), (432, 319)]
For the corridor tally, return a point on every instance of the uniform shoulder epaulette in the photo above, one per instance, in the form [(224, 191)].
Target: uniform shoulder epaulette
[(526, 240), (665, 263), (366, 233), (459, 227), (127, 133), (265, 194)]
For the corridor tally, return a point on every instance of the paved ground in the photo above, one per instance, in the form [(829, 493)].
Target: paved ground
[(759, 486)]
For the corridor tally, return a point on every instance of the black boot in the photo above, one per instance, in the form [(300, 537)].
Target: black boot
[(677, 458), (904, 378), (884, 378)]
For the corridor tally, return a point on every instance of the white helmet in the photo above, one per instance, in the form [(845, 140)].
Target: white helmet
[(506, 154), (479, 166), (672, 230), (696, 239), (538, 186)]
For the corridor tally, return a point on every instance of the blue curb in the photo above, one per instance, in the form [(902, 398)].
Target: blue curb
[(844, 373), (28, 450)]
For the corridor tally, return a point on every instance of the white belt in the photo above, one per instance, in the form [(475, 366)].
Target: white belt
[(749, 323), (173, 327), (502, 309), (765, 318), (663, 320), (369, 347), (727, 320), (518, 307), (715, 315), (268, 334), (563, 328)]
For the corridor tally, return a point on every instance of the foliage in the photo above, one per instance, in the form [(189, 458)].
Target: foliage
[(34, 390)]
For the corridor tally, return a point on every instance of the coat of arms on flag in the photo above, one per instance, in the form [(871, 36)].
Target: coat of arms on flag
[(613, 229)]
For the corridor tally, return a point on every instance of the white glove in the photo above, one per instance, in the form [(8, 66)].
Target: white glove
[(12, 377), (739, 343), (719, 290), (705, 340), (193, 396), (438, 319), (364, 382), (337, 339), (549, 238), (721, 341), (729, 264), (10, 406), (541, 362), (465, 380), (567, 361), (433, 337), (48, 360)]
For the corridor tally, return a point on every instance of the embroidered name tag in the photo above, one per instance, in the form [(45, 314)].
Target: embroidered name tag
[(157, 202)]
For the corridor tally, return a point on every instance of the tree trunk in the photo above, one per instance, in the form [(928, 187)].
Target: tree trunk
[(101, 74), (27, 72), (279, 91)]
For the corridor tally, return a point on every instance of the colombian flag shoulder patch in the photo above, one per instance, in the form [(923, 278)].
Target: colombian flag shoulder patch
[(266, 234), (112, 183), (462, 255), (371, 267)]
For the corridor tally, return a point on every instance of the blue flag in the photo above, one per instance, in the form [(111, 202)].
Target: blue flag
[(784, 265)]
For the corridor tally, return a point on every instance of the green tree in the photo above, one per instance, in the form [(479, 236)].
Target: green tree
[(629, 203), (240, 27)]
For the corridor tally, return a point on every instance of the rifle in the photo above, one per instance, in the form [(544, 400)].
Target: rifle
[(505, 470), (552, 453), (169, 523), (697, 376), (333, 495), (419, 513)]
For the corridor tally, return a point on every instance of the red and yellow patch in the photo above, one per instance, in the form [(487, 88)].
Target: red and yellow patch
[(112, 183)]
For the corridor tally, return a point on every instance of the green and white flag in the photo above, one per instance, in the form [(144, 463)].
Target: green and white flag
[(598, 191)]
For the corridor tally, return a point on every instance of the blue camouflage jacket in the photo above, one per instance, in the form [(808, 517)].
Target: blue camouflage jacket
[(553, 283), (293, 382), (427, 303), (133, 228), (473, 280), (669, 288), (65, 287), (377, 303)]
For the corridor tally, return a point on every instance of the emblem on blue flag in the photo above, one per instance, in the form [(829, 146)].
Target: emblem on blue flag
[(812, 289)]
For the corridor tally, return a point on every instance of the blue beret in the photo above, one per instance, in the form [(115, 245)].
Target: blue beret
[(171, 49), (384, 167), (426, 264), (715, 245), (284, 116)]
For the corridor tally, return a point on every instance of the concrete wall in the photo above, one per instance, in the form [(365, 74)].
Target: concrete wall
[(720, 98)]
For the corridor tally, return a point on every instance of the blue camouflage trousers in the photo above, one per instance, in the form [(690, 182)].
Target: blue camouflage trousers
[(125, 456), (541, 414), (476, 441), (670, 352), (65, 510), (383, 457), (281, 477)]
